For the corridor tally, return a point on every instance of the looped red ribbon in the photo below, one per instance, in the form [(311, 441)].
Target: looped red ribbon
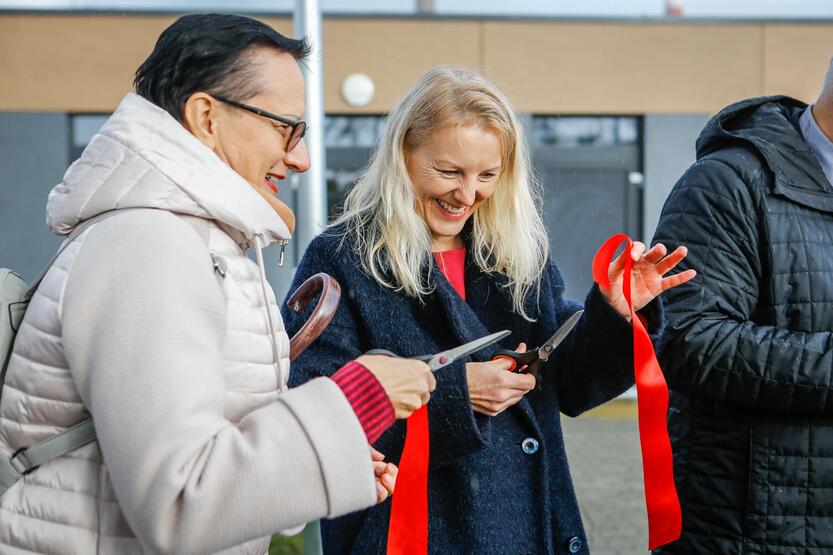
[(663, 505)]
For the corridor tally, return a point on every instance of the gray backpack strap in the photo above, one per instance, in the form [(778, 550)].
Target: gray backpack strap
[(27, 459)]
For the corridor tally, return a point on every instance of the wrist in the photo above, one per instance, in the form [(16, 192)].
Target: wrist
[(367, 397)]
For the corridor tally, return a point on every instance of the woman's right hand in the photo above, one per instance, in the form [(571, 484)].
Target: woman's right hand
[(407, 382), (493, 389)]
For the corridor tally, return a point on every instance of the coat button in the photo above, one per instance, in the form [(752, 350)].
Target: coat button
[(530, 445), (574, 545)]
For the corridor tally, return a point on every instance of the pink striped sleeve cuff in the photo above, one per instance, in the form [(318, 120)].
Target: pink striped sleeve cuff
[(367, 397)]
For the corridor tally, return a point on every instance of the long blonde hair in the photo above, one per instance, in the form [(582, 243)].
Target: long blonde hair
[(393, 242)]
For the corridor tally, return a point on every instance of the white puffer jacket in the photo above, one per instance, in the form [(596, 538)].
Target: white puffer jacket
[(198, 451)]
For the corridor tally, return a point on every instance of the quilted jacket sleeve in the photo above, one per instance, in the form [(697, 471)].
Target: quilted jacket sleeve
[(713, 346)]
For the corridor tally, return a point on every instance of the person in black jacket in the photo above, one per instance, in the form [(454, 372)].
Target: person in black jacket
[(748, 352)]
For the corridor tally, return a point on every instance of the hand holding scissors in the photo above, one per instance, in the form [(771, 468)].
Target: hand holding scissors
[(409, 381), (529, 360)]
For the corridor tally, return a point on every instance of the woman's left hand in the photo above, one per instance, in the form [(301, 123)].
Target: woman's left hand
[(647, 279)]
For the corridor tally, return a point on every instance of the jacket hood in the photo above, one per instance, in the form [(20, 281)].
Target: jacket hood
[(143, 158), (770, 126)]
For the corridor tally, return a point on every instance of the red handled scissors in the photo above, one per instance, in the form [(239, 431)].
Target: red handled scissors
[(444, 358), (522, 361)]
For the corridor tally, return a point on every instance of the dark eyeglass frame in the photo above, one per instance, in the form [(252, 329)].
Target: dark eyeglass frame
[(298, 127)]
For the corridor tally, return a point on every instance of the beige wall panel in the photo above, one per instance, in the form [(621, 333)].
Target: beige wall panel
[(85, 63), (624, 68), (75, 63), (394, 53), (796, 59)]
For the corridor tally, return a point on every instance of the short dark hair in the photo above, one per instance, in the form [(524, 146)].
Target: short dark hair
[(208, 53)]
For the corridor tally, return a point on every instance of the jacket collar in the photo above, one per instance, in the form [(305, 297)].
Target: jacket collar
[(465, 322), (770, 125), (143, 157), (466, 317)]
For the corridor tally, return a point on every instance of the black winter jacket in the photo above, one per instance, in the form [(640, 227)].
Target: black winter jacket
[(748, 352)]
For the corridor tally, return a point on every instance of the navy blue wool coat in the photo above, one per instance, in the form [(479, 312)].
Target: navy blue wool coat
[(496, 484)]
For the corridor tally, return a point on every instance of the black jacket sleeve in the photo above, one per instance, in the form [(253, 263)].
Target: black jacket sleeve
[(713, 347)]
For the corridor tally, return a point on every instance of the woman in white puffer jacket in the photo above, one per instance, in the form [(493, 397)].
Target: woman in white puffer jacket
[(183, 368)]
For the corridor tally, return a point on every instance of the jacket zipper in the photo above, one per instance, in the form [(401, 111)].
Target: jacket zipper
[(282, 243)]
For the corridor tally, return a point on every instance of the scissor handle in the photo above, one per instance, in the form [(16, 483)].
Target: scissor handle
[(519, 360)]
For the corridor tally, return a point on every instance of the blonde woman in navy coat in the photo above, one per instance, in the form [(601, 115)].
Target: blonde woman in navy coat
[(449, 193)]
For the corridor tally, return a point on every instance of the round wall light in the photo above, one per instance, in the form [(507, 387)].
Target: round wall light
[(357, 90)]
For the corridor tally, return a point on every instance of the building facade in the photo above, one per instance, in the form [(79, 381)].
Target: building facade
[(612, 107)]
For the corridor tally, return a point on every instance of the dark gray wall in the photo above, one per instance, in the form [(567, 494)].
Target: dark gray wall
[(669, 151), (587, 198), (34, 153)]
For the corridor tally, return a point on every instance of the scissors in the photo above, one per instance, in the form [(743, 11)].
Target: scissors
[(444, 358), (522, 361)]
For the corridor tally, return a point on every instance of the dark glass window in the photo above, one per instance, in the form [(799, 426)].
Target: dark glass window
[(350, 142), (84, 126), (579, 130)]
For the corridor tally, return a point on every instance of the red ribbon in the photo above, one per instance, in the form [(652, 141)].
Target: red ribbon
[(664, 515), (408, 531)]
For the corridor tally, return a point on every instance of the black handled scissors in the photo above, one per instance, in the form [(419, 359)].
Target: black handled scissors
[(444, 358), (521, 361)]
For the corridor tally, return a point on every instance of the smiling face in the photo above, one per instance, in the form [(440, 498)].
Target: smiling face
[(255, 146), (453, 173)]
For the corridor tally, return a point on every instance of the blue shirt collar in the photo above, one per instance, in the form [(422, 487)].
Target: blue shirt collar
[(819, 143)]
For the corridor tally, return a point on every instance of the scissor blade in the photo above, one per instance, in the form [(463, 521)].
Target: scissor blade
[(549, 346), (447, 357)]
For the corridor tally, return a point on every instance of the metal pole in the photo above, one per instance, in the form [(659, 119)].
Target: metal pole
[(311, 205), (311, 193), (312, 187)]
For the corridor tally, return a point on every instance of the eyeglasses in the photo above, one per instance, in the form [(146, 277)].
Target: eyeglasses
[(298, 128)]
